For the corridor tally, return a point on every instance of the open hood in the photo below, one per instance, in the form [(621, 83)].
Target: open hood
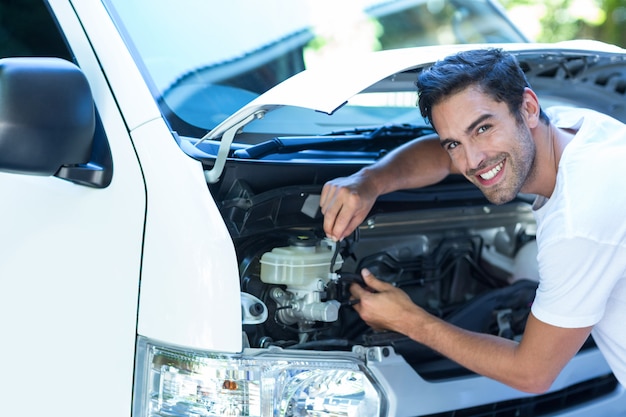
[(326, 88)]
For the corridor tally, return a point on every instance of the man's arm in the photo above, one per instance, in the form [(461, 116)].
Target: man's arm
[(531, 365), (345, 202)]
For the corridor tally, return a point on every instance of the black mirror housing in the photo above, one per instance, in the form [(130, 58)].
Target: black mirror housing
[(47, 116)]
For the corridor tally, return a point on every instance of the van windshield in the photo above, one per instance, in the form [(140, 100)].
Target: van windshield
[(205, 60)]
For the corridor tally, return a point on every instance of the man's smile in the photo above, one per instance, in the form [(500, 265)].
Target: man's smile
[(491, 175), (492, 172)]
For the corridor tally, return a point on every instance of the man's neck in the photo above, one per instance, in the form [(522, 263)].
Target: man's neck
[(550, 142)]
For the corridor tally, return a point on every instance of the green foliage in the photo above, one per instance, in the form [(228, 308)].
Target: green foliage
[(559, 20)]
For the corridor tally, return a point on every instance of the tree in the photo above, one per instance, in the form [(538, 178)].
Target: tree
[(561, 20)]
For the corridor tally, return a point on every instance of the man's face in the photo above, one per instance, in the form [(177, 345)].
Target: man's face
[(486, 143)]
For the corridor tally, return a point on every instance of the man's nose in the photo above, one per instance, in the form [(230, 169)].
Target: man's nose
[(474, 156)]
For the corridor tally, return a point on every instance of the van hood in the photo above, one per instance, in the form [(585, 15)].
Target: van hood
[(328, 87)]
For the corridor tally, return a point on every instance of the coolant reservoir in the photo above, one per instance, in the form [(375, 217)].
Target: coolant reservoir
[(304, 262)]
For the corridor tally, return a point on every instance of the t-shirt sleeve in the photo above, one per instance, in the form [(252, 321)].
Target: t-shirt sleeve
[(577, 277)]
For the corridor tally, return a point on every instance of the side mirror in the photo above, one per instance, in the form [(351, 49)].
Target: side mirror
[(48, 121)]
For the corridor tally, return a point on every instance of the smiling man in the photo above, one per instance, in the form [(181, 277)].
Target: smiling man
[(493, 130)]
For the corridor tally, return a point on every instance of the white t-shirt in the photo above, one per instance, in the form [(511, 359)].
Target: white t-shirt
[(581, 235)]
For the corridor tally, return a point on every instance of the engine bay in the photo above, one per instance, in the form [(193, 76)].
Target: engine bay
[(471, 265)]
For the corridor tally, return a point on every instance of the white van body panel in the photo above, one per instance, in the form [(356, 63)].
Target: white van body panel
[(134, 99), (190, 283), (90, 242), (67, 345), (183, 225)]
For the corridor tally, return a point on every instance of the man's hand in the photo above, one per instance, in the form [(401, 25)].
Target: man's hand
[(383, 306), (345, 202), (531, 366)]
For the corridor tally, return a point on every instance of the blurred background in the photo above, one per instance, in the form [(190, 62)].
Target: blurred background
[(558, 20)]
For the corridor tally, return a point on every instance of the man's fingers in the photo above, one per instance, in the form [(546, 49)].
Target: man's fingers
[(336, 217), (328, 194), (373, 282), (343, 208), (339, 220), (357, 290), (330, 209), (333, 224), (345, 223)]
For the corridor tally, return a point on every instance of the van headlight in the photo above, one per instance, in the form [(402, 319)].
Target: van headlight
[(170, 382)]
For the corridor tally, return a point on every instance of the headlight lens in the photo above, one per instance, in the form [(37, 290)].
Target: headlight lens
[(174, 382)]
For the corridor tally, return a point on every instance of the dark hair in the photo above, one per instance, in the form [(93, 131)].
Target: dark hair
[(496, 72)]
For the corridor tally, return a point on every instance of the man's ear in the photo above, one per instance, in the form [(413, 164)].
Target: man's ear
[(530, 108)]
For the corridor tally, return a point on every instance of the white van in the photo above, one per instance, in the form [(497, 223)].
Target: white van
[(162, 251)]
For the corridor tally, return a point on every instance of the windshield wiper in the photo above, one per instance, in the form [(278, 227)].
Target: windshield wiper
[(290, 144)]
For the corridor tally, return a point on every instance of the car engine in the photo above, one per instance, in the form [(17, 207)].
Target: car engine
[(471, 265)]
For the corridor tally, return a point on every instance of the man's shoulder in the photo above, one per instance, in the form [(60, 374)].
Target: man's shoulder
[(570, 117), (574, 117)]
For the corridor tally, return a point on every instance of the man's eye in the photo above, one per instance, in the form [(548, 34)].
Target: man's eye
[(483, 129), (451, 145)]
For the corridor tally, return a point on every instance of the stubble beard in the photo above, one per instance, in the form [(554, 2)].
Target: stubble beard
[(520, 166)]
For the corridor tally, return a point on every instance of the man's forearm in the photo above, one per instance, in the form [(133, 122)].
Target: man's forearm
[(416, 164), (531, 365), (484, 354)]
